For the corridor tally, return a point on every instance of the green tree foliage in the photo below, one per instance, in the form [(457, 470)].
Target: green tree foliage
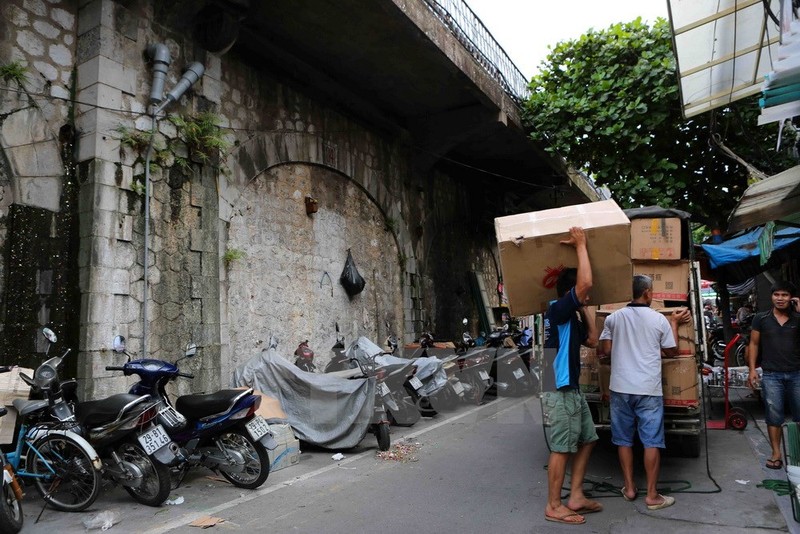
[(609, 103)]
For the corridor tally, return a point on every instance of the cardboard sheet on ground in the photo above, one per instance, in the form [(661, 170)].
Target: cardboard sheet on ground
[(324, 410)]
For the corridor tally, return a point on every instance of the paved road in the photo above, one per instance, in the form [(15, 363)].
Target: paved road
[(476, 470)]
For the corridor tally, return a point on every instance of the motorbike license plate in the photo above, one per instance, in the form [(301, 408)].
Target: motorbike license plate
[(458, 387), (383, 390), (154, 439), (415, 382), (257, 427), (483, 374), (518, 373)]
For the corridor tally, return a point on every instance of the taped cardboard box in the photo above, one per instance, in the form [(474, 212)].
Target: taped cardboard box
[(589, 380), (686, 333), (531, 256), (679, 379), (670, 279), (656, 239), (287, 453)]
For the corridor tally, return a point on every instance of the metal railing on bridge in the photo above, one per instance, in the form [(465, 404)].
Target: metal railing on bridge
[(478, 41)]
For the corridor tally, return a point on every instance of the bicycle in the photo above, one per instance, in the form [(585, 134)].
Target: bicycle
[(11, 517), (63, 467)]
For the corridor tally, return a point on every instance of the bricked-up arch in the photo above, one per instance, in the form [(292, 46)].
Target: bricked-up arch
[(279, 286), (266, 151)]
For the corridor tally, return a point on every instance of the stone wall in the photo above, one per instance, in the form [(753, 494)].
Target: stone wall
[(233, 257)]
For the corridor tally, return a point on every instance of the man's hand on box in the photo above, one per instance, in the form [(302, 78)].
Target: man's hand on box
[(577, 237)]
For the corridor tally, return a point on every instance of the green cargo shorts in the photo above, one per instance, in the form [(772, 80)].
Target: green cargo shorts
[(568, 421)]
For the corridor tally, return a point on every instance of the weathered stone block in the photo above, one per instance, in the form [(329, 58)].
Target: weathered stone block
[(97, 145), (105, 197), (41, 192), (124, 228), (126, 310)]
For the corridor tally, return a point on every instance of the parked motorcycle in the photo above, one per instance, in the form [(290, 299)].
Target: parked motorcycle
[(716, 343), (122, 429), (11, 517), (304, 358), (391, 374), (474, 364), (339, 360), (220, 430), (511, 375), (436, 385)]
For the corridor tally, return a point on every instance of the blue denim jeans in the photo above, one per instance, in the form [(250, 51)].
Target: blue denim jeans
[(630, 413), (776, 389)]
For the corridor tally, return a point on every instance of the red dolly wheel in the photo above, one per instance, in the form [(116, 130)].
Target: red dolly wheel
[(737, 419)]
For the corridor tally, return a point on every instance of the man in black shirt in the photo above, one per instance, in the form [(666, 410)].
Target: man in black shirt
[(775, 337)]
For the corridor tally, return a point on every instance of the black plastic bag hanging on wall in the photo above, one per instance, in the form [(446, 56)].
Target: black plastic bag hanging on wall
[(352, 281)]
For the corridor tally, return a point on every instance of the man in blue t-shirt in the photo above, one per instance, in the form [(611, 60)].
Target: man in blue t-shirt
[(568, 324), (775, 344)]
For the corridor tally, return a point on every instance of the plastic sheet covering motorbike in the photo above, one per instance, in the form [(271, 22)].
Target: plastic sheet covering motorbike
[(325, 410), (364, 350)]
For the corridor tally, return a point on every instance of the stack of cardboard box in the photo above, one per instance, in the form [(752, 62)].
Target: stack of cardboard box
[(657, 251)]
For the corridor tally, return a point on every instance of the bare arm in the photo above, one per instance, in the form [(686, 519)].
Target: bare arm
[(588, 313), (577, 239), (682, 316), (605, 348), (752, 357)]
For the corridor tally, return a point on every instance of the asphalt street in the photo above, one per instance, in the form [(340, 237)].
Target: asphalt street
[(479, 469)]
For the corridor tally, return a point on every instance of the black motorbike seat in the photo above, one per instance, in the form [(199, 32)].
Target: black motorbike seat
[(25, 407), (98, 412), (203, 405)]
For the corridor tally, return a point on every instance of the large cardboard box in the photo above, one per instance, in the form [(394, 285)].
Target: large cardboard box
[(686, 334), (670, 279), (656, 239), (531, 255), (589, 380), (679, 379)]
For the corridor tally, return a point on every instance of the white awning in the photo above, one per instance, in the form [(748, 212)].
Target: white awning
[(775, 199), (723, 48)]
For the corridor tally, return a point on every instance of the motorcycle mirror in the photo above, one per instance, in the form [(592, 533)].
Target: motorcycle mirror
[(118, 344), (191, 350), (49, 335)]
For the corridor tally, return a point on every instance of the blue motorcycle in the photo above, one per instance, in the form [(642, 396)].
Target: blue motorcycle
[(220, 430)]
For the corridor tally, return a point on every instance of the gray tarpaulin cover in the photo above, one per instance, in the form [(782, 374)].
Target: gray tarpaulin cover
[(325, 410), (363, 349)]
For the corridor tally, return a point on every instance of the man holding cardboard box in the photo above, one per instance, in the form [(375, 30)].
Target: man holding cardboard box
[(635, 337), (568, 325), (775, 346)]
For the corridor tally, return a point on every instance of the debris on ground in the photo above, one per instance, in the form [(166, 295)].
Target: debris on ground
[(175, 501), (338, 456), (206, 521), (401, 452), (104, 520)]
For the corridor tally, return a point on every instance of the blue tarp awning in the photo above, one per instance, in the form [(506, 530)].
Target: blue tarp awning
[(746, 246)]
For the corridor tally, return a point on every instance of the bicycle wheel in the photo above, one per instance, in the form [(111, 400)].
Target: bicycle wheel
[(11, 517), (63, 473)]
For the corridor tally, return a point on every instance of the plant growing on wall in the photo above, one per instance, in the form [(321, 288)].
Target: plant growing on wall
[(202, 136), (14, 72), (231, 255), (137, 140)]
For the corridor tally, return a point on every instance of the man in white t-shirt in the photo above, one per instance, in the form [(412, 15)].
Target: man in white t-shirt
[(635, 337)]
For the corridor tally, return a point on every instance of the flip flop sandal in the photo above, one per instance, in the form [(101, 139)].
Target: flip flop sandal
[(774, 464), (589, 509), (668, 501), (625, 494), (563, 519)]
